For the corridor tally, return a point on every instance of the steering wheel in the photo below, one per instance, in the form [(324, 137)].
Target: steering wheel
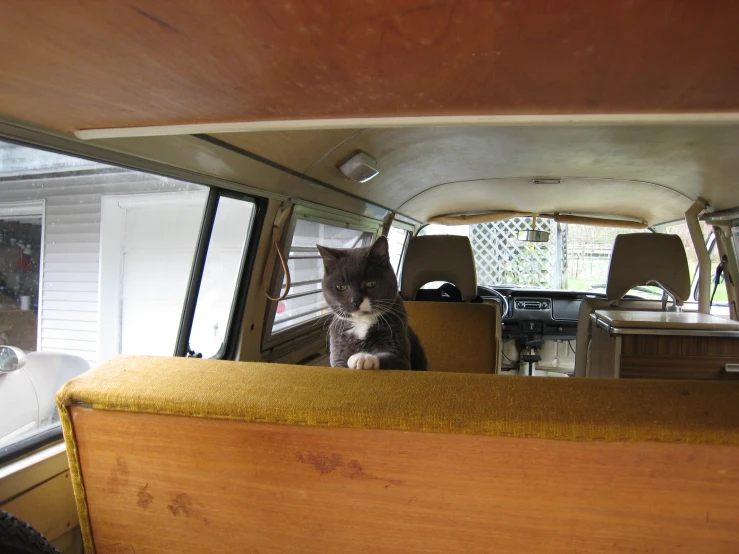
[(501, 297)]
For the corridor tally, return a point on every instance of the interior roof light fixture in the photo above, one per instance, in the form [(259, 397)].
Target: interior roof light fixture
[(546, 181), (360, 167)]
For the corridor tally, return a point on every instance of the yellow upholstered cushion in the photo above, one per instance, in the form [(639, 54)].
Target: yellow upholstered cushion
[(573, 409), (457, 337)]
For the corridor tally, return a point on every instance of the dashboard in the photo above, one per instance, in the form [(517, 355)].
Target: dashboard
[(538, 315)]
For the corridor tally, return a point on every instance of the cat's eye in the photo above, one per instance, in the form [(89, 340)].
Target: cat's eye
[(370, 284), (341, 287)]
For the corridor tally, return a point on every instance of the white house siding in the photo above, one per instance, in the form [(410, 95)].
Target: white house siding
[(68, 307)]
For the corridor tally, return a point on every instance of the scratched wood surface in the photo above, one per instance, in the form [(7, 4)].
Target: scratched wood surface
[(663, 357), (678, 357), (160, 483), (92, 64)]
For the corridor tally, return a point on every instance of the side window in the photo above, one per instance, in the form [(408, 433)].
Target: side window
[(680, 228), (720, 298), (96, 261), (305, 301), (397, 239), (219, 279)]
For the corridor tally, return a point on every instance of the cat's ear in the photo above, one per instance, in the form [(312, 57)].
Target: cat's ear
[(330, 257), (380, 251)]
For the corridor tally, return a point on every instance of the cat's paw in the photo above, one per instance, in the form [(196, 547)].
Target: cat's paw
[(362, 360)]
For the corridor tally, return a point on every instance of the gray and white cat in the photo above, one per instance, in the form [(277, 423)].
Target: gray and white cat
[(370, 326)]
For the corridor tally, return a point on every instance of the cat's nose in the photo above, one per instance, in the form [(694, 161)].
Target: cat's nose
[(357, 301)]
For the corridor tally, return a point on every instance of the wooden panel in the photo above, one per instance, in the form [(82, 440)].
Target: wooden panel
[(678, 357), (160, 483), (665, 345), (50, 507), (676, 367), (91, 64)]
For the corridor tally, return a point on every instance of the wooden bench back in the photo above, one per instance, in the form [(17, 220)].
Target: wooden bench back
[(177, 455)]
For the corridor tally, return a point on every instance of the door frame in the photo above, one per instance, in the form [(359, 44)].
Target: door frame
[(31, 208)]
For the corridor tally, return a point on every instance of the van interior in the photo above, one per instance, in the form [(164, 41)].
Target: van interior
[(557, 185)]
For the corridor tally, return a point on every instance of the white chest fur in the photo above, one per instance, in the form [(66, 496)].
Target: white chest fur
[(361, 321)]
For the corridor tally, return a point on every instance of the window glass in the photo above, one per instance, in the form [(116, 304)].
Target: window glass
[(305, 301), (228, 241), (397, 239), (721, 296), (147, 245), (576, 257), (588, 258), (680, 228), (94, 262)]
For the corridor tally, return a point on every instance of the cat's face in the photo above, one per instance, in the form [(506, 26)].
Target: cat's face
[(358, 280)]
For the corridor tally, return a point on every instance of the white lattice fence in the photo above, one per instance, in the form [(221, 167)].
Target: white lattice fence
[(503, 259)]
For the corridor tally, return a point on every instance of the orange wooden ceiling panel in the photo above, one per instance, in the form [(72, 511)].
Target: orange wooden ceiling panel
[(94, 64)]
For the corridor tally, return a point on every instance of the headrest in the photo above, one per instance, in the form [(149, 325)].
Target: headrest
[(641, 257), (439, 258)]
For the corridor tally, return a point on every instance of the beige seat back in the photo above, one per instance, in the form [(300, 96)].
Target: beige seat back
[(439, 258), (636, 259), (457, 336)]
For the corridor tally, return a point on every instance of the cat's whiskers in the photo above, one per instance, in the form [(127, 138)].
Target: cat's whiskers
[(379, 315), (392, 310), (339, 320), (325, 318), (385, 302)]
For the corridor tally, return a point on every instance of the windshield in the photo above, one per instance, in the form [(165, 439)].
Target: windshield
[(576, 257)]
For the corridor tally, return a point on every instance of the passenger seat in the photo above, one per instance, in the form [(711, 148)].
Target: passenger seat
[(636, 259), (460, 334)]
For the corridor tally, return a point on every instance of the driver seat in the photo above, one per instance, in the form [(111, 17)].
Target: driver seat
[(459, 332)]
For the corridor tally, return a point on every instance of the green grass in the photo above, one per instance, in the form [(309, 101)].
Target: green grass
[(584, 284)]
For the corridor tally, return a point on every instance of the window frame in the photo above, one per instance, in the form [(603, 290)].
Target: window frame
[(229, 347), (711, 246), (304, 333), (411, 230), (31, 138)]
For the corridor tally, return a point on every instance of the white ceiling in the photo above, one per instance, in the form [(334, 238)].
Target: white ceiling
[(650, 172)]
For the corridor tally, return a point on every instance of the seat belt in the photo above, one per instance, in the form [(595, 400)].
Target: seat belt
[(282, 217), (717, 278)]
